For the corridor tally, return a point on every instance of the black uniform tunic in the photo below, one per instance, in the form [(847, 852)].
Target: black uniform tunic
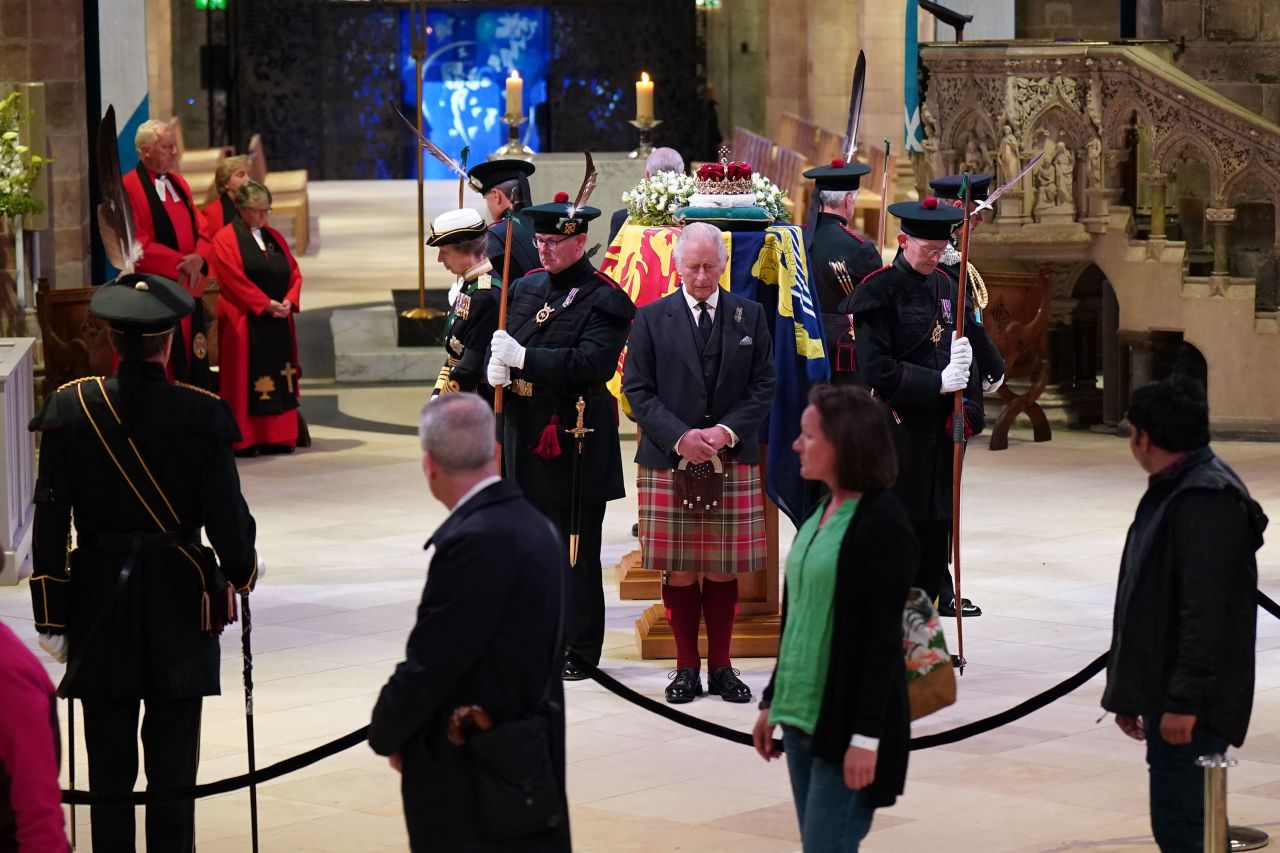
[(573, 352), (835, 244), (468, 330), (895, 313), (524, 257), (150, 644)]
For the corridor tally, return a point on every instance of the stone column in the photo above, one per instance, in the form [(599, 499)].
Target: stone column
[(1156, 182), (1221, 219)]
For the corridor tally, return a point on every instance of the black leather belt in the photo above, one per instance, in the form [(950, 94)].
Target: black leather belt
[(140, 541), (525, 388)]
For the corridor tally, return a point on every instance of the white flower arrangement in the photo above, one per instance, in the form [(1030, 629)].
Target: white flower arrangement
[(19, 168), (654, 201)]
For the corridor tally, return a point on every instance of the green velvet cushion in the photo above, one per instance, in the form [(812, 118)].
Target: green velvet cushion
[(727, 218)]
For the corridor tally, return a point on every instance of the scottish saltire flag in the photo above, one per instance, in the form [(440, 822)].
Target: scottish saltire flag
[(912, 136), (122, 70), (768, 267)]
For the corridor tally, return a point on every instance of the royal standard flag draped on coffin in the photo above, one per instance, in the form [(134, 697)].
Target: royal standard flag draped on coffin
[(769, 267)]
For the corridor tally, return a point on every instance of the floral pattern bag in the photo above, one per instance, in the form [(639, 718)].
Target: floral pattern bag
[(931, 680)]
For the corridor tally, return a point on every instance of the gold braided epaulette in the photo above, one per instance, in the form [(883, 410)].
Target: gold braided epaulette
[(204, 391), (978, 287), (75, 382)]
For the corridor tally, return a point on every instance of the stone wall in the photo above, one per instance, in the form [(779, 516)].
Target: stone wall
[(1232, 45), (1097, 20), (43, 41)]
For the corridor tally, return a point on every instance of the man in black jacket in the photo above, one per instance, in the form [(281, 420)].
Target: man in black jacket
[(700, 381), (141, 465), (1180, 670), (486, 635)]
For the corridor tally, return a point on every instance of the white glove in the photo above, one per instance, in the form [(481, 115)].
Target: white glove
[(955, 377), (54, 645), (497, 373), (961, 351), (262, 568), (507, 351), (454, 291), (992, 386)]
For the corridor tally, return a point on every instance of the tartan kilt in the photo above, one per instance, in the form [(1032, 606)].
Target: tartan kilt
[(729, 539)]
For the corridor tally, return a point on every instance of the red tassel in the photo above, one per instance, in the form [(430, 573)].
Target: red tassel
[(206, 623), (548, 446)]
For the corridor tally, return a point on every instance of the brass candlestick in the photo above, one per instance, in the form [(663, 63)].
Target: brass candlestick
[(645, 126), (514, 149)]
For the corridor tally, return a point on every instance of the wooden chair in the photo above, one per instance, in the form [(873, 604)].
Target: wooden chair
[(198, 165), (788, 167), (75, 342), (1017, 319), (789, 131), (288, 193)]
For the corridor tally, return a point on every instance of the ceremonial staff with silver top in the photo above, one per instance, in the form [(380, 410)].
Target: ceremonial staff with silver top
[(565, 329)]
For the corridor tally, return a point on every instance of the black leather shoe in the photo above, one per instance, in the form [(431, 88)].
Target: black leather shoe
[(948, 608), (685, 686), (724, 682), (635, 530), (572, 673)]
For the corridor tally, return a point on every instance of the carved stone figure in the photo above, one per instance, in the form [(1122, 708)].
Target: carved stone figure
[(1045, 185), (1094, 164), (1064, 169), (973, 161), (1010, 162)]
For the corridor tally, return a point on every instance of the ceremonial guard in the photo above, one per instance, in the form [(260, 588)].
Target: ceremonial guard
[(839, 258), (568, 323), (505, 185), (985, 353), (461, 238), (700, 381), (169, 232), (904, 318), (135, 610)]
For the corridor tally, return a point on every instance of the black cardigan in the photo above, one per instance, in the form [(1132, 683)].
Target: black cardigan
[(866, 689)]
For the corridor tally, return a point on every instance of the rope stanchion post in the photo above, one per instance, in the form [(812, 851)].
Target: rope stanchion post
[(1215, 801)]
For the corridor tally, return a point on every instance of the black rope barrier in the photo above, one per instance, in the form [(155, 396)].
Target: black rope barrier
[(608, 682), (222, 786)]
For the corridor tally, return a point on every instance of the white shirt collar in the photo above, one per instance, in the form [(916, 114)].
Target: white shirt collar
[(475, 490), (257, 235), (712, 300), (164, 188)]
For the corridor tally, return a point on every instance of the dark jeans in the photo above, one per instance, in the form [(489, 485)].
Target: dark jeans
[(833, 818), (171, 752), (1177, 787)]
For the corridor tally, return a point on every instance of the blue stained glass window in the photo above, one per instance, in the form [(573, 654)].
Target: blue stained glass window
[(470, 53)]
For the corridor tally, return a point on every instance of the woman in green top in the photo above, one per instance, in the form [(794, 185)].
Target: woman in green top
[(839, 686)]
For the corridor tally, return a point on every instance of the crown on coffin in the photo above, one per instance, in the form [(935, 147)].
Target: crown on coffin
[(723, 178)]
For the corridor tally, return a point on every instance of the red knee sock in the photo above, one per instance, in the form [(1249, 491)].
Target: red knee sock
[(719, 607), (684, 612)]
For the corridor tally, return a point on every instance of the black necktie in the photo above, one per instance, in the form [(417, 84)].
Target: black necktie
[(704, 322)]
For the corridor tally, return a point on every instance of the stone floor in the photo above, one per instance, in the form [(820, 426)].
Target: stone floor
[(342, 525)]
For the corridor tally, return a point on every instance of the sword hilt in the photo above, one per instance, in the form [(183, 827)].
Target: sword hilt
[(579, 430)]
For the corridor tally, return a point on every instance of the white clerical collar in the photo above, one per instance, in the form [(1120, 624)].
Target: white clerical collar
[(164, 188), (257, 235), (475, 490), (479, 269), (712, 300)]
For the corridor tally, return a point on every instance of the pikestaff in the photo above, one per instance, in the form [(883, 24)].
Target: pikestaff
[(884, 201), (508, 214), (850, 143), (957, 424)]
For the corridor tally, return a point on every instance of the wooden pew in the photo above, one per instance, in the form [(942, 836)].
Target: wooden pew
[(288, 193)]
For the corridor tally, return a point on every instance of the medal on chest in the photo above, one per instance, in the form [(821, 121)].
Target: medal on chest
[(545, 312), (945, 306), (463, 308)]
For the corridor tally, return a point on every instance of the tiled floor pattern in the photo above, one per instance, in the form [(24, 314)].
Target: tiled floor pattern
[(342, 526)]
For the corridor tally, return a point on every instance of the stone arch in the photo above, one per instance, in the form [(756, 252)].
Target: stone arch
[(1237, 187), (1170, 151), (1118, 118), (971, 123)]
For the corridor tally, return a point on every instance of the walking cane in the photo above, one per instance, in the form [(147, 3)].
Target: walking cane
[(246, 649), (71, 760)]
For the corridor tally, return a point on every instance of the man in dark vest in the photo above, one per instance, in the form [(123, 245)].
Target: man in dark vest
[(505, 186), (169, 232), (135, 610), (700, 381), (839, 258), (462, 240), (905, 318), (568, 323)]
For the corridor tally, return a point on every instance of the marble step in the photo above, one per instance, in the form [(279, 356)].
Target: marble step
[(364, 349)]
